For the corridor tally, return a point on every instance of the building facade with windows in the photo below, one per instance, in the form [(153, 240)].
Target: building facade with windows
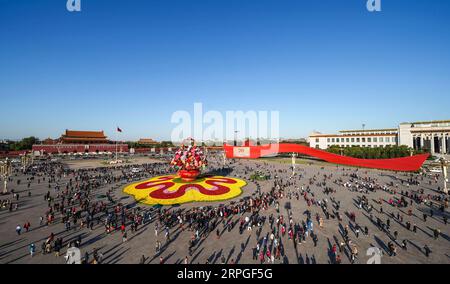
[(349, 138), (84, 137), (80, 142), (430, 136), (147, 142)]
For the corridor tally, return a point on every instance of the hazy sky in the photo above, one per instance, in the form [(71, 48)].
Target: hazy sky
[(325, 65)]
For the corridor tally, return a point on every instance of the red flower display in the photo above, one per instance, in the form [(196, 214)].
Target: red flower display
[(190, 158)]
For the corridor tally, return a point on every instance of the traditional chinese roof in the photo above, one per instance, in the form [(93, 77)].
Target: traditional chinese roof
[(147, 141), (72, 136), (84, 134)]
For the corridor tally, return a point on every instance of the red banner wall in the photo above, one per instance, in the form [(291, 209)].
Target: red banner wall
[(413, 163)]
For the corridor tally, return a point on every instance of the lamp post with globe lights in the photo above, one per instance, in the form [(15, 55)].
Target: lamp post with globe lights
[(5, 173)]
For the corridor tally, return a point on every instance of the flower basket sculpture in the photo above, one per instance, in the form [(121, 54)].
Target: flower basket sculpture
[(189, 160)]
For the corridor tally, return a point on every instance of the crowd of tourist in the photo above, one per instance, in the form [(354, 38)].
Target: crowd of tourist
[(73, 200)]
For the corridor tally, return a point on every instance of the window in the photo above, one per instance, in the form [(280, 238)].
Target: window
[(337, 140), (387, 140), (332, 140), (353, 139), (369, 140), (347, 140), (357, 140), (317, 140), (364, 140), (375, 139), (328, 140), (381, 139)]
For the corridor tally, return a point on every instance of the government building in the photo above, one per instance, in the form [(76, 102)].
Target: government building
[(78, 142), (430, 136), (83, 137)]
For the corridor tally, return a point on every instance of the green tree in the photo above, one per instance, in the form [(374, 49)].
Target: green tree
[(374, 153), (24, 144)]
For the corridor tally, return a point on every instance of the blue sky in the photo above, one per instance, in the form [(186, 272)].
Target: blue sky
[(325, 65)]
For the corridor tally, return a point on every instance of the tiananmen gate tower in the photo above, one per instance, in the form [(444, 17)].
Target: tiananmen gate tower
[(74, 141)]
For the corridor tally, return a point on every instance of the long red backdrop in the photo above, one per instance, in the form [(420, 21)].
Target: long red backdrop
[(413, 163)]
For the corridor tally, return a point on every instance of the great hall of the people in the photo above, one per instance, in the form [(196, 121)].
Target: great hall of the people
[(433, 136)]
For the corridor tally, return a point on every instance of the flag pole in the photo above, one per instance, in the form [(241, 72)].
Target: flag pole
[(117, 137)]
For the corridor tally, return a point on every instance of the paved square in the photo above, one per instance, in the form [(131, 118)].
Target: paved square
[(87, 208)]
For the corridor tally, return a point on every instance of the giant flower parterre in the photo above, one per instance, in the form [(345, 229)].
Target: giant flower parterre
[(170, 189)]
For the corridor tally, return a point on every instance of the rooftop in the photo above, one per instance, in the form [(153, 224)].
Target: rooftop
[(84, 134), (369, 130), (147, 141), (427, 122)]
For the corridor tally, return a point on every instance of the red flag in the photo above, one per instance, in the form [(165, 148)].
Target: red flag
[(119, 130)]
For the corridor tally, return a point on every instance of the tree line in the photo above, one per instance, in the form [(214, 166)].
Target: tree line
[(22, 145), (137, 145), (387, 152)]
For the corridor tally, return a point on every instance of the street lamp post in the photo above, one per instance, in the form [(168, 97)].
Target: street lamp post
[(224, 156), (5, 172), (294, 155), (26, 162)]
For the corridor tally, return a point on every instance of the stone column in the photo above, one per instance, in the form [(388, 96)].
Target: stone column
[(433, 150), (444, 143), (439, 139), (447, 139), (421, 142)]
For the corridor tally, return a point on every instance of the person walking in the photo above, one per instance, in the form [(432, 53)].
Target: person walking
[(436, 233), (32, 249), (404, 245), (427, 250), (18, 229), (315, 240)]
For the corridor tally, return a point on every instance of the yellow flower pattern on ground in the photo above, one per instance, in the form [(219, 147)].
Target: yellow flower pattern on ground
[(170, 190)]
